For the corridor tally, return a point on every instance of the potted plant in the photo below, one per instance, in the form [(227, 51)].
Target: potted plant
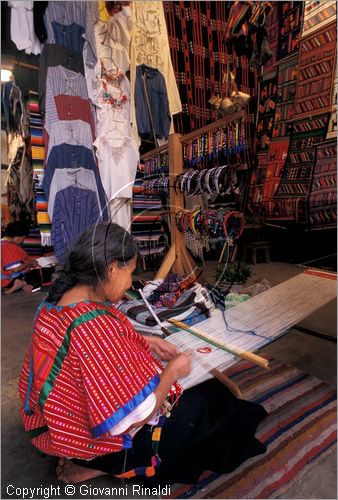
[(236, 273)]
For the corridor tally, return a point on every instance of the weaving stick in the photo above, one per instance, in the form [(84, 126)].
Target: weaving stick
[(249, 356), (232, 386)]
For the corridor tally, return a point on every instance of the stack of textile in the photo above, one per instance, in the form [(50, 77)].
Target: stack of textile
[(172, 298), (147, 224), (38, 155)]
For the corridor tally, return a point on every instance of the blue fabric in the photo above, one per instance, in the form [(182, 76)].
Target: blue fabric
[(68, 156), (158, 100), (69, 36), (11, 124), (121, 413), (75, 210)]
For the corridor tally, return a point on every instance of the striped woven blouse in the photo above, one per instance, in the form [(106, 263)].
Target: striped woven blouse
[(72, 108), (91, 369), (74, 211), (55, 55)]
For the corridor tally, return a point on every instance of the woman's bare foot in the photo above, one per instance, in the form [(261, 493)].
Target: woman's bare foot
[(27, 289), (68, 472), (18, 284)]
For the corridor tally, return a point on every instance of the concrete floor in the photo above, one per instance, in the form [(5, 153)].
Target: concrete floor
[(23, 467)]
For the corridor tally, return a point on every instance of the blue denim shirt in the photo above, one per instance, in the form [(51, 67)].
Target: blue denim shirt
[(158, 100)]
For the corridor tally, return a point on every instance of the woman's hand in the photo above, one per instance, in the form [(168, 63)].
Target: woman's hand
[(180, 366), (164, 350)]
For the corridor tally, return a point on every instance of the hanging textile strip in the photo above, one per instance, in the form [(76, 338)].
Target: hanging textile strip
[(266, 112), (297, 174), (316, 69), (318, 14), (286, 93), (272, 30), (198, 53), (290, 16), (332, 127), (278, 152), (38, 155), (323, 195)]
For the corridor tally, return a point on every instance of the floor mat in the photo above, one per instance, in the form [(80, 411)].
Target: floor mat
[(299, 431)]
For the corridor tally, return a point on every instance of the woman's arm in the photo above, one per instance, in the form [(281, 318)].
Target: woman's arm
[(178, 367)]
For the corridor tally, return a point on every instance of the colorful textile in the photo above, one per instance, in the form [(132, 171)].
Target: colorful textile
[(266, 112), (184, 305), (278, 153), (38, 155), (88, 357), (332, 127), (299, 432), (286, 94), (323, 194), (316, 68), (297, 174), (290, 21), (317, 14), (199, 55)]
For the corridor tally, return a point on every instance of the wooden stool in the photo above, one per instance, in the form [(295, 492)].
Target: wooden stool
[(254, 246)]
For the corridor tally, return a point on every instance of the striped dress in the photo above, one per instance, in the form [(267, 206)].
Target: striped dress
[(85, 371), (11, 256)]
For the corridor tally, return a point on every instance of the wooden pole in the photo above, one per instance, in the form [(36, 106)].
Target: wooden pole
[(249, 356)]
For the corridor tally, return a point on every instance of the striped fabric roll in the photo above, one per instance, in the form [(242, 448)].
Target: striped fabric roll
[(38, 155)]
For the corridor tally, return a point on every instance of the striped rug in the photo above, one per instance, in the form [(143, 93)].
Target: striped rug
[(299, 431)]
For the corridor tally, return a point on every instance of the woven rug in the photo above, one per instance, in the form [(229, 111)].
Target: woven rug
[(299, 432), (323, 194), (316, 70), (290, 21)]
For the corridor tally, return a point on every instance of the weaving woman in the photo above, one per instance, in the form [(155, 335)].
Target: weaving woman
[(95, 394)]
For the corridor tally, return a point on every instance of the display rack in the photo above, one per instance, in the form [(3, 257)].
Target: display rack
[(178, 258)]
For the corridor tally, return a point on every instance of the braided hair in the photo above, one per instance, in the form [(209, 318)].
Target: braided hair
[(91, 255)]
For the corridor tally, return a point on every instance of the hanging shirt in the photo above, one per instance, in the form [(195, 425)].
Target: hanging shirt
[(150, 46), (75, 210), (72, 132), (68, 156), (72, 108), (70, 36), (55, 55), (22, 27), (118, 156), (67, 13), (63, 178), (62, 81), (126, 378), (151, 92), (113, 105)]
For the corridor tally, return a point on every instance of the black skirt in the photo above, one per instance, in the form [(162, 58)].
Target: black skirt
[(209, 429)]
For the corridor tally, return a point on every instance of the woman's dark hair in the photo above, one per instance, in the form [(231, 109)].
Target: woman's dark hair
[(16, 229), (90, 257)]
